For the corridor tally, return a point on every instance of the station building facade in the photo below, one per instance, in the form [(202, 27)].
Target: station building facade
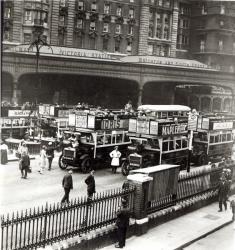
[(159, 30)]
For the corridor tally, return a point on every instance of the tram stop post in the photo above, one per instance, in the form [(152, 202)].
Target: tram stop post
[(141, 183)]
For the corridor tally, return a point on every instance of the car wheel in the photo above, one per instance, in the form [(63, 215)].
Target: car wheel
[(86, 165), (62, 165)]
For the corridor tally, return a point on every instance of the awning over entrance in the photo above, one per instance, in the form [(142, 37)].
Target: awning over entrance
[(166, 61)]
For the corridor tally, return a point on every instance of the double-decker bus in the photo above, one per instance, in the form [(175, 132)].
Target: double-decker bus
[(158, 135), (213, 139), (96, 134)]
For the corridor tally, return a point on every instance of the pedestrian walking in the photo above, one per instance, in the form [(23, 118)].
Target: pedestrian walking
[(223, 189), (122, 223), (50, 154), (43, 158), (24, 165), (22, 148), (4, 152), (115, 155), (232, 206), (67, 184), (90, 181)]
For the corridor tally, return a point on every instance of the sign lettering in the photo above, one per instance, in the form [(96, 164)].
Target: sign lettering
[(171, 129), (110, 124), (20, 113), (222, 125)]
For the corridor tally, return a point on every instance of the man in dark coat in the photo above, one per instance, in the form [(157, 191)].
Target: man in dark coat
[(90, 181), (223, 189), (122, 223), (50, 154), (67, 184)]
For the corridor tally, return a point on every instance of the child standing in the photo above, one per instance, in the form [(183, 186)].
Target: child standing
[(43, 159)]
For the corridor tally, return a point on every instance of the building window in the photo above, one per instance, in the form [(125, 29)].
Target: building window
[(131, 13), (6, 35), (117, 46), (61, 21), (106, 27), (221, 23), (80, 24), (202, 46), (92, 43), (130, 30), (28, 16), (159, 2), (166, 32), (106, 8), (150, 49), (162, 50), (204, 10), (150, 31), (222, 9), (7, 12), (167, 3), (119, 11), (93, 7), (186, 23), (81, 5), (62, 3), (118, 29), (105, 44), (61, 39), (220, 45), (129, 47), (27, 38), (92, 26)]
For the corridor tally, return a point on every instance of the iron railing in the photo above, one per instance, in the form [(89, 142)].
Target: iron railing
[(189, 185), (38, 227)]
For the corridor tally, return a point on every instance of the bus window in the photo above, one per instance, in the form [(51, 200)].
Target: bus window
[(171, 145), (164, 115), (216, 138), (170, 114), (212, 139), (184, 143), (165, 146), (154, 143), (224, 137), (229, 137), (178, 144)]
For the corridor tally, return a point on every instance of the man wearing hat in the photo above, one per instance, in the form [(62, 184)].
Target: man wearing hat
[(67, 184), (122, 223), (50, 154)]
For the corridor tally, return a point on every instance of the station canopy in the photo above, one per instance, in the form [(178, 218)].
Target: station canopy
[(67, 52)]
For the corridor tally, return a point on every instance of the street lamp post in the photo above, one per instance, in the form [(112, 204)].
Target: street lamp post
[(38, 43)]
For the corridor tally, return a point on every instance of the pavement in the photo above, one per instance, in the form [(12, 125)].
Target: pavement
[(179, 233)]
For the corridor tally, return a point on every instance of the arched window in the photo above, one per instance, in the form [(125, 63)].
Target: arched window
[(216, 104), (206, 104)]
